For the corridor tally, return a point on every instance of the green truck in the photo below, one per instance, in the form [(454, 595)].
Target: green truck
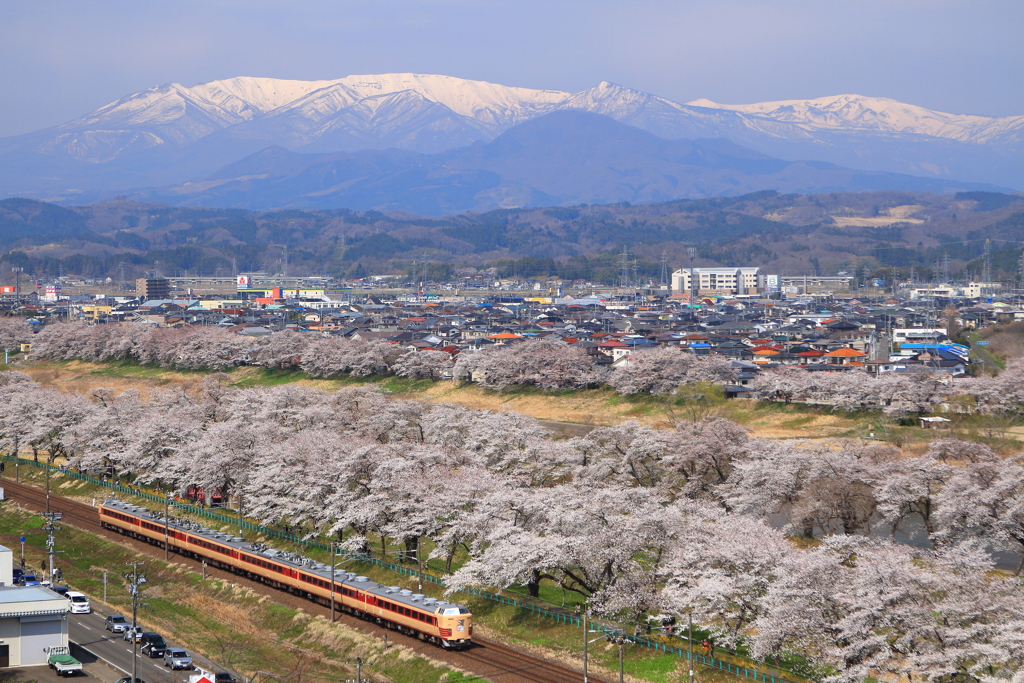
[(62, 662)]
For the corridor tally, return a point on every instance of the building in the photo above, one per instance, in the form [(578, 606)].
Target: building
[(32, 619), (153, 288), (815, 284), (719, 281)]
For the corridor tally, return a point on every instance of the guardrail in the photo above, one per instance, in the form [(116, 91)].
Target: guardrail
[(541, 611)]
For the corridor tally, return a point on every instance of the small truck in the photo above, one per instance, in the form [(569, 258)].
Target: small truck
[(61, 661)]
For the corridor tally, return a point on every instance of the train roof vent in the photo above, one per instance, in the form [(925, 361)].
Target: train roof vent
[(416, 597), (391, 589), (406, 592), (361, 579), (350, 575), (430, 601)]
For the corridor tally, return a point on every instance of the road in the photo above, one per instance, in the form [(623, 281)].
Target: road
[(87, 632), (981, 352)]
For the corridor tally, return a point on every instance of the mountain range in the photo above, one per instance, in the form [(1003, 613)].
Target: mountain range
[(169, 135)]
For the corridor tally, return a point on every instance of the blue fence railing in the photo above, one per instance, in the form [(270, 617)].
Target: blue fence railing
[(541, 611)]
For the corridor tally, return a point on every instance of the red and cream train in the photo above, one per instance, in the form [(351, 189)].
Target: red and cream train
[(443, 623)]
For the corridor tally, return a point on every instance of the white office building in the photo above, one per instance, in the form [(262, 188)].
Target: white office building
[(719, 281)]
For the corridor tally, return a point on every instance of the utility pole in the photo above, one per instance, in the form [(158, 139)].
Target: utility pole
[(419, 566), (986, 268), (689, 622), (17, 270), (332, 582), (135, 582), (49, 527), (692, 253), (586, 638), (167, 529)]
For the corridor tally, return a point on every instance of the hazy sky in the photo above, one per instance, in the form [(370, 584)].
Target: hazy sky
[(62, 59)]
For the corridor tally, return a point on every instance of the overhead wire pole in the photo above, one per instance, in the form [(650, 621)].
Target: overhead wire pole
[(167, 528), (50, 526), (332, 582), (135, 580), (692, 252)]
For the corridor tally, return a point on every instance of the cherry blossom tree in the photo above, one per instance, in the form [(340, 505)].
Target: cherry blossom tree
[(426, 364), (14, 331), (664, 369), (547, 363)]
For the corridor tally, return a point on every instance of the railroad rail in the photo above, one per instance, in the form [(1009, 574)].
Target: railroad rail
[(487, 659)]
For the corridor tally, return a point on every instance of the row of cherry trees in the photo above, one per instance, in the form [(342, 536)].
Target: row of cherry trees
[(696, 518), (546, 363)]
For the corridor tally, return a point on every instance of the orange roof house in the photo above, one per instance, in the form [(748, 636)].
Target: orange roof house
[(843, 356)]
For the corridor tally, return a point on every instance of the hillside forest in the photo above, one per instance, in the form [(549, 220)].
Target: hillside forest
[(870, 234)]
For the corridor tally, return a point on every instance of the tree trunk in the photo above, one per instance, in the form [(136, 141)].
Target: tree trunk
[(533, 586), (411, 543)]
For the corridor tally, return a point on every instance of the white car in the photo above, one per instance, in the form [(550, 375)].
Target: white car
[(79, 603)]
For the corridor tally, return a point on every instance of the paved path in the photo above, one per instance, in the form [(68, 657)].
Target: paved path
[(982, 353)]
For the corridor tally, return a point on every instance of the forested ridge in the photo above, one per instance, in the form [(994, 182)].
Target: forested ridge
[(788, 234)]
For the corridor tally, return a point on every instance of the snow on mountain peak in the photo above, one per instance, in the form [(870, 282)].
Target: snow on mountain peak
[(262, 94), (857, 112)]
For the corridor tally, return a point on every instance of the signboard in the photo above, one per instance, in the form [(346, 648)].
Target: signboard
[(244, 281), (982, 343)]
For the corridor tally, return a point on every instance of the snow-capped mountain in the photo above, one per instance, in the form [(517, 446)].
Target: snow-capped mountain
[(173, 133), (877, 114)]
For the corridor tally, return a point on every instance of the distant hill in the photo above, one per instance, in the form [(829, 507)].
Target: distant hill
[(563, 158), (783, 233)]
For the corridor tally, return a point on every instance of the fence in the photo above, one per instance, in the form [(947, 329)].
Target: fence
[(539, 610)]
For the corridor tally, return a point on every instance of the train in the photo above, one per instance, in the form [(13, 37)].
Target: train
[(442, 623)]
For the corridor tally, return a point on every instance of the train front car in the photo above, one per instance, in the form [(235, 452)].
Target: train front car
[(455, 625)]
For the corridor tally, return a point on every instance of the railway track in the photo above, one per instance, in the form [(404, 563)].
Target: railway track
[(489, 660)]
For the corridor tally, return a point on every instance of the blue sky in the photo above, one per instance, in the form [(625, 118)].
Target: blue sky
[(59, 60)]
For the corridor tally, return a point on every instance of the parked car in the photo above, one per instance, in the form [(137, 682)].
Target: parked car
[(128, 679), (223, 677), (177, 659), (28, 580), (60, 590), (133, 633), (17, 573), (115, 623), (79, 603), (153, 645)]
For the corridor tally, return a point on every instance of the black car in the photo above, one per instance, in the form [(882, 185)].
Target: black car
[(152, 645), (128, 679), (223, 678)]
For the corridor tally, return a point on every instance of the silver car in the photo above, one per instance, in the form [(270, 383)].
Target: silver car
[(177, 659), (115, 623)]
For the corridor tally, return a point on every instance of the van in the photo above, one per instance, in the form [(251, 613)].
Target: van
[(79, 603)]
